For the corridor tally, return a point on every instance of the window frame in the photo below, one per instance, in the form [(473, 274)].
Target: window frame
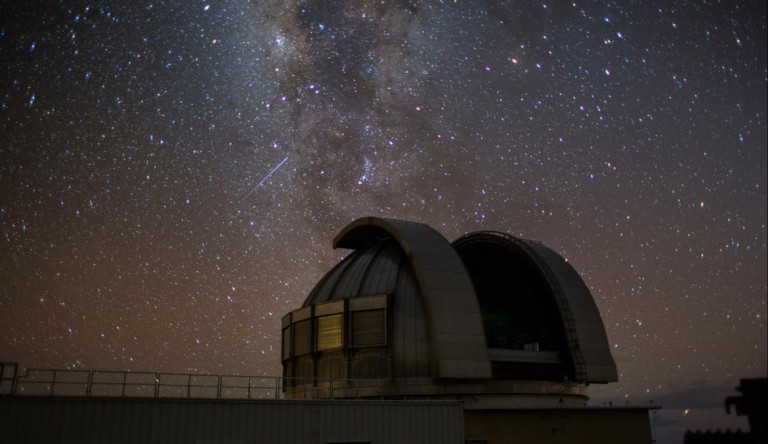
[(383, 331), (376, 303)]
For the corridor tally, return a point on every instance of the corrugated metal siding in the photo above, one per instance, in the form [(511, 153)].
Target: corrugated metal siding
[(84, 420)]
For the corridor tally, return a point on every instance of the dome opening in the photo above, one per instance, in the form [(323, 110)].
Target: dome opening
[(516, 304)]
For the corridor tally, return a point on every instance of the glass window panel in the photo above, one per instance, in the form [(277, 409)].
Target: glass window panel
[(329, 332), (368, 328), (302, 342)]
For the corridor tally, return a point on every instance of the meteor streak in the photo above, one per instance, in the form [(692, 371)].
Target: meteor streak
[(266, 177)]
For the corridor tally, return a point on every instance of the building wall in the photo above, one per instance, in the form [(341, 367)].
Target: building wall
[(146, 421), (558, 426)]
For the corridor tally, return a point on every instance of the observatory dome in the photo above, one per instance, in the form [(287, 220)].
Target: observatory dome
[(407, 313)]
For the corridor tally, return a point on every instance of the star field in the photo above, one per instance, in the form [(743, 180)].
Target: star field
[(172, 174)]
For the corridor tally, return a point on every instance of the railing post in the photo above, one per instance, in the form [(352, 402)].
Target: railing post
[(157, 385), (218, 387), (14, 384), (53, 384), (189, 384), (89, 384), (125, 377)]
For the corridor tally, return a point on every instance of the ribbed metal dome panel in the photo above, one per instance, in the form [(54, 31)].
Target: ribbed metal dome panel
[(371, 270)]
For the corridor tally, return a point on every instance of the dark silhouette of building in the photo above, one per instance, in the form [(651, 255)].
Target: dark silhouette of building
[(502, 324), (752, 403)]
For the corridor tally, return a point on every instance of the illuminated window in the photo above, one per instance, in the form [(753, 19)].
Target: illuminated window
[(286, 343), (302, 341), (329, 332), (368, 328)]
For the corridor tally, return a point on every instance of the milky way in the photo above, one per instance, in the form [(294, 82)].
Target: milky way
[(172, 175)]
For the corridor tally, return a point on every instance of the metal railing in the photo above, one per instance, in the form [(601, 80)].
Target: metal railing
[(127, 384), (101, 383)]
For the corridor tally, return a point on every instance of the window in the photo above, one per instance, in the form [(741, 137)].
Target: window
[(302, 341), (329, 332), (286, 343), (368, 328)]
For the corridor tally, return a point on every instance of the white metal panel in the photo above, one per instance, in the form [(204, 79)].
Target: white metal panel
[(152, 420)]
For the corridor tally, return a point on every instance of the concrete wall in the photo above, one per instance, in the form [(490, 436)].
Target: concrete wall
[(145, 421), (559, 426)]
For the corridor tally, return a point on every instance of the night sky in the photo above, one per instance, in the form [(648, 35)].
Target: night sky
[(172, 174)]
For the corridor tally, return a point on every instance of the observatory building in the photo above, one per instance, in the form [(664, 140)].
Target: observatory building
[(502, 324), (490, 318)]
